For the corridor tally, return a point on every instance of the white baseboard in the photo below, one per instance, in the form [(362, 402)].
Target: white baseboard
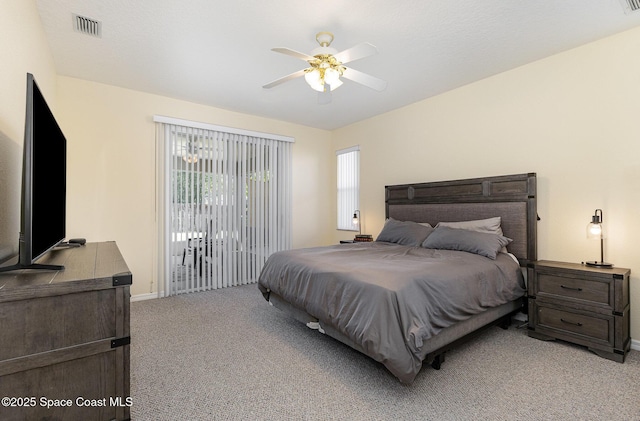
[(143, 297), (635, 344)]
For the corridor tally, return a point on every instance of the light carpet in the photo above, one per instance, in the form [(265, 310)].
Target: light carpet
[(228, 355)]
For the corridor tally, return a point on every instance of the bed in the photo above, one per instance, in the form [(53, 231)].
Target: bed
[(447, 264)]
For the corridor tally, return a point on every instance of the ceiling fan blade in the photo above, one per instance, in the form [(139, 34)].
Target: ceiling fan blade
[(356, 52), (293, 53), (364, 79), (284, 79)]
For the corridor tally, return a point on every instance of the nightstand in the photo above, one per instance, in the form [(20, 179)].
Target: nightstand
[(581, 304)]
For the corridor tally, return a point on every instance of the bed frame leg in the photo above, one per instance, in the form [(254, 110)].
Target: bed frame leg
[(505, 322), (437, 361)]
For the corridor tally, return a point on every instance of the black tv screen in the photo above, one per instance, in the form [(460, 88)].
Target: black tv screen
[(44, 183), (48, 172)]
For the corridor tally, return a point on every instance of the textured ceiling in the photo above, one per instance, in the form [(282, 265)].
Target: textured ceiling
[(218, 52)]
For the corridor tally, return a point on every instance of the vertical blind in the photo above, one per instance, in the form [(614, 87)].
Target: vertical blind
[(348, 186), (227, 204)]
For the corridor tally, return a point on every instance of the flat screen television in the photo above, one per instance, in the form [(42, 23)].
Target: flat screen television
[(44, 183)]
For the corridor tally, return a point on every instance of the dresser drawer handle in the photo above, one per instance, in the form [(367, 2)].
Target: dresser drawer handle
[(570, 288), (570, 323)]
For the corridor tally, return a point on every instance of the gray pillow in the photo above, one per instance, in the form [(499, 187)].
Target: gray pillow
[(490, 225), (405, 233), (482, 243)]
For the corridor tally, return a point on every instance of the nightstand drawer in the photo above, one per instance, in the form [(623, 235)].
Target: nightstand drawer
[(593, 327), (593, 291)]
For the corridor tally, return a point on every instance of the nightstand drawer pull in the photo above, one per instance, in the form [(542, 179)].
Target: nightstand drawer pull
[(571, 323), (570, 288)]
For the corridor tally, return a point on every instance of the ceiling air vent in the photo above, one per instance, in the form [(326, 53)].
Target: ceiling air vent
[(630, 5), (88, 26)]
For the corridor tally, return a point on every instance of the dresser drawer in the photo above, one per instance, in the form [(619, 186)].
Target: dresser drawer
[(46, 324), (591, 326), (590, 291)]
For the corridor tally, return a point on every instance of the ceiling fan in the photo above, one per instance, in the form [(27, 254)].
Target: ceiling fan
[(327, 67)]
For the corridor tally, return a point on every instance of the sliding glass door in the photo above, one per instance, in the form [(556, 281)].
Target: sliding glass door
[(227, 205)]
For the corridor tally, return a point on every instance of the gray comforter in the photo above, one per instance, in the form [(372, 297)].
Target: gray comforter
[(387, 298)]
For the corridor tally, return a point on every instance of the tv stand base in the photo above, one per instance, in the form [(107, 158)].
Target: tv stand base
[(31, 266)]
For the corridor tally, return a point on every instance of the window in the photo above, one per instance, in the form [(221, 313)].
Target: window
[(348, 186)]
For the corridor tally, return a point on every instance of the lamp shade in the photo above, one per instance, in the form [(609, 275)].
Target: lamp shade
[(314, 79), (356, 220), (595, 230), (336, 84), (331, 76)]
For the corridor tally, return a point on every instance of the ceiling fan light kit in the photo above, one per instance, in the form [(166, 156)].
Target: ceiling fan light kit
[(324, 70), (327, 67)]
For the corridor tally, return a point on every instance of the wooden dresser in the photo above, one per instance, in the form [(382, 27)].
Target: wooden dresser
[(64, 337), (585, 305)]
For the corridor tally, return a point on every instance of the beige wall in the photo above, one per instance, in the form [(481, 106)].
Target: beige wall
[(23, 48), (111, 168), (571, 118)]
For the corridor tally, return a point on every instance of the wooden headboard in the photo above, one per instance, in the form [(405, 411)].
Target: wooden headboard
[(511, 197)]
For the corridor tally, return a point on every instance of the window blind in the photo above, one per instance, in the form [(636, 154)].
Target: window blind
[(348, 186), (227, 204)]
